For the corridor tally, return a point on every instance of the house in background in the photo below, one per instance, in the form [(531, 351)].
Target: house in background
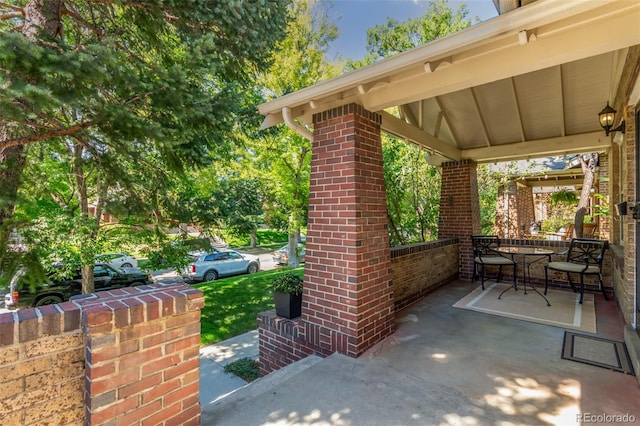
[(526, 84)]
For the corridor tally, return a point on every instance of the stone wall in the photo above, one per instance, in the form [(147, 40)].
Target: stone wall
[(42, 369), (126, 357)]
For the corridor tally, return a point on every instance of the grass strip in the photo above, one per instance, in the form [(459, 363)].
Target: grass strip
[(231, 305)]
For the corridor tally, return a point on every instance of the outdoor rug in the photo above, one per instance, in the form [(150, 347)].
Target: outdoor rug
[(564, 312), (597, 351)]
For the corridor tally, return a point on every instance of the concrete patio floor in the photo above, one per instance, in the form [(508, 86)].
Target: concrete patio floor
[(444, 366)]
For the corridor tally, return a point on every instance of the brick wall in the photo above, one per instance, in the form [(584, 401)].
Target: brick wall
[(122, 357), (556, 279), (421, 268), (348, 302), (514, 220), (603, 187), (625, 284), (460, 209), (526, 213), (417, 269)]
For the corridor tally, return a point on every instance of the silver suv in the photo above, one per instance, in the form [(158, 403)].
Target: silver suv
[(211, 266)]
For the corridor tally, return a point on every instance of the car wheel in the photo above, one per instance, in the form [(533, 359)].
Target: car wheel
[(211, 276), (252, 269), (126, 265), (48, 300)]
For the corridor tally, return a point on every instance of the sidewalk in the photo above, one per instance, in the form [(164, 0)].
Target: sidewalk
[(214, 382)]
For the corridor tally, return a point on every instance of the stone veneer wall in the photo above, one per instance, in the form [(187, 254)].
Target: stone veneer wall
[(121, 357), (42, 366)]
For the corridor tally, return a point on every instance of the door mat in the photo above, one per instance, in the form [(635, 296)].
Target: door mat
[(597, 351)]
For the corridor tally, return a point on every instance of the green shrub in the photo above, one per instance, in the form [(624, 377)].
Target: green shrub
[(288, 282), (246, 368)]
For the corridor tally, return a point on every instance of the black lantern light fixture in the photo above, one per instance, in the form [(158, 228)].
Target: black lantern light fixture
[(607, 116)]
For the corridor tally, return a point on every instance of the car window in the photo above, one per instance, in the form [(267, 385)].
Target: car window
[(100, 271), (234, 256), (213, 256)]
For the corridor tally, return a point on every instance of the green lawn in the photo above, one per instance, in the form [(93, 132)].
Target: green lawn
[(263, 237), (231, 305)]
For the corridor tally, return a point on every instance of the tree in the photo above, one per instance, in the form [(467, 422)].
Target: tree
[(413, 190), (396, 37), (143, 81), (412, 184), (299, 61)]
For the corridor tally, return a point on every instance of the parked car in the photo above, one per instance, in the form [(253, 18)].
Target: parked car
[(281, 256), (105, 277), (118, 259), (213, 265)]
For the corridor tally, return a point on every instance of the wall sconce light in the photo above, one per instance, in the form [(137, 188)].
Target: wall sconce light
[(607, 116)]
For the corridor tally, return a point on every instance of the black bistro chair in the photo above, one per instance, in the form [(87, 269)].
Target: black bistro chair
[(485, 252), (584, 257)]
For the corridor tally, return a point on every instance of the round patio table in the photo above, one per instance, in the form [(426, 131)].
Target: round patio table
[(527, 253)]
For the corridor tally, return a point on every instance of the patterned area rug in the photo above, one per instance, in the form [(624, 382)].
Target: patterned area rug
[(597, 351), (564, 312)]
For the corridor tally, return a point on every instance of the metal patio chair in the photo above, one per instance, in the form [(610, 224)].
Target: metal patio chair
[(485, 252), (584, 257)]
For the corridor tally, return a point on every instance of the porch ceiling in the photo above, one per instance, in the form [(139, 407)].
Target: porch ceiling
[(526, 84)]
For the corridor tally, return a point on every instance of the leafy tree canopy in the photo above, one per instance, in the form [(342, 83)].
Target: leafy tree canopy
[(127, 74), (395, 37)]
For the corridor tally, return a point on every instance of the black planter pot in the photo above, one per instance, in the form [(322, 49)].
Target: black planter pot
[(288, 305)]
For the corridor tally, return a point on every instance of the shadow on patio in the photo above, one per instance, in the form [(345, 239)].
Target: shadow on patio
[(445, 366)]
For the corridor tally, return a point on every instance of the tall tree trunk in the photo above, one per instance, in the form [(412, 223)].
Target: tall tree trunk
[(12, 161), (254, 237), (589, 170), (88, 285), (41, 17)]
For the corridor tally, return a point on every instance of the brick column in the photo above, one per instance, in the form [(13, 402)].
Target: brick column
[(460, 209), (348, 298), (142, 355), (526, 212), (602, 186)]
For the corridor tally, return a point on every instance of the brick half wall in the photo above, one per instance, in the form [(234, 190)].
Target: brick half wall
[(416, 270), (419, 269), (121, 357)]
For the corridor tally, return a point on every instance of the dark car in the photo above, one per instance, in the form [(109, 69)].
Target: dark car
[(105, 277)]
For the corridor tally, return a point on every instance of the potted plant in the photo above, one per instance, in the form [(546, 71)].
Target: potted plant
[(287, 294)]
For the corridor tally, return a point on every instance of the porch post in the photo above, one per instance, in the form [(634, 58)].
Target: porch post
[(460, 209), (514, 210), (348, 297)]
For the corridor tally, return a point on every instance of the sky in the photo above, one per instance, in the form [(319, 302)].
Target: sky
[(354, 17)]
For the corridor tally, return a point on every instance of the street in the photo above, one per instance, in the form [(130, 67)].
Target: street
[(171, 276)]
